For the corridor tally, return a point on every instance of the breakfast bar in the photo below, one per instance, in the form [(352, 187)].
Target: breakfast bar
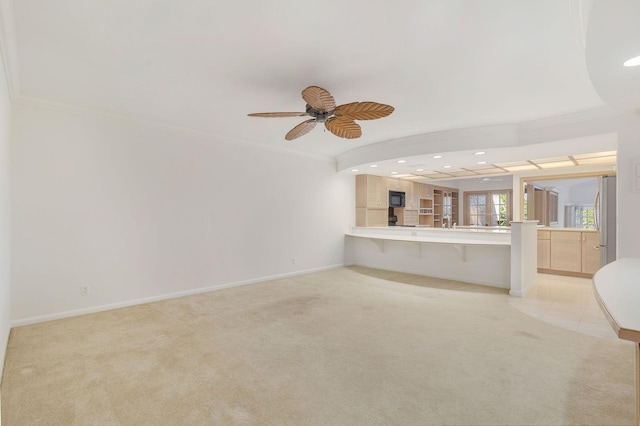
[(486, 256)]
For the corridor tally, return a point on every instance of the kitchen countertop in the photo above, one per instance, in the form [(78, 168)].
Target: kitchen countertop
[(557, 228), (495, 237), (617, 292)]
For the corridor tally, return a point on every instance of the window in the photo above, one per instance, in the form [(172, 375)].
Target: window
[(476, 205), (499, 209), (588, 218), (490, 208)]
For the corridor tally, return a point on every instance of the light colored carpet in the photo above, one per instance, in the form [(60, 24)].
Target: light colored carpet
[(350, 346)]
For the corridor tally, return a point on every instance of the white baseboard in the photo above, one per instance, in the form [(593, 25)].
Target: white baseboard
[(524, 291), (4, 342), (124, 304)]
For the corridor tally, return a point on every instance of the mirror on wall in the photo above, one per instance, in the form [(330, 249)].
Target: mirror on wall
[(567, 203)]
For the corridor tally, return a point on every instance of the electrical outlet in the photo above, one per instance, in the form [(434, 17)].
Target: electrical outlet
[(84, 290), (293, 260)]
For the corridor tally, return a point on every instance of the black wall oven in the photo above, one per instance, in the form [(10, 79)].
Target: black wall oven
[(396, 199)]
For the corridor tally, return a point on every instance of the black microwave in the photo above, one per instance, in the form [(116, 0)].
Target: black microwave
[(396, 199)]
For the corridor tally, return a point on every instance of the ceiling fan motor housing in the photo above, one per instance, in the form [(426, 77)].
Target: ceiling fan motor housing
[(320, 115)]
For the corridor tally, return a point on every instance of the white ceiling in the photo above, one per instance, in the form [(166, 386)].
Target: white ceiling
[(202, 65)]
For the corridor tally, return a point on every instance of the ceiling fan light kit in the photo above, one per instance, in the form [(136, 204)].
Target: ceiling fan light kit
[(339, 120)]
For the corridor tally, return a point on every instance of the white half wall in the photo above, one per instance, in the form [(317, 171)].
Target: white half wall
[(137, 213), (5, 215)]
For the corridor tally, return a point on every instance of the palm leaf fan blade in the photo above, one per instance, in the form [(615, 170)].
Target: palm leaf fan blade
[(301, 129), (318, 98), (363, 110), (278, 114), (343, 127)]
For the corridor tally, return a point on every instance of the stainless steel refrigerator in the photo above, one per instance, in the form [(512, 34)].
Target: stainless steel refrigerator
[(605, 218)]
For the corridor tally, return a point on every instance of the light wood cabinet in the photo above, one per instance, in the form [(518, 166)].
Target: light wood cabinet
[(425, 191), (372, 191), (437, 207), (371, 217), (395, 184), (451, 209), (410, 217), (425, 214), (568, 252), (544, 249), (423, 203), (411, 195), (590, 252)]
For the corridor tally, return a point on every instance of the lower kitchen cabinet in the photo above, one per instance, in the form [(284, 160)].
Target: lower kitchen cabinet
[(590, 252), (372, 217), (566, 251), (410, 217), (544, 249), (570, 252)]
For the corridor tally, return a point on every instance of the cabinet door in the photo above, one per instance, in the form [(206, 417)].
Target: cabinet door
[(410, 217), (377, 195), (377, 217), (425, 191), (590, 252), (411, 195), (566, 251), (544, 254), (394, 184), (383, 192)]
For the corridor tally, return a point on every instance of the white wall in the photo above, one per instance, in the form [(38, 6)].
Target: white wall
[(5, 219), (584, 193), (137, 213), (628, 201)]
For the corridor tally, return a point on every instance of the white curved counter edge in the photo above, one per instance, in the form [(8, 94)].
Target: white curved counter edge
[(617, 290)]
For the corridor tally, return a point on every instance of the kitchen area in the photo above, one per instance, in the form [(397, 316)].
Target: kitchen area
[(577, 215), (382, 201), (414, 227), (427, 229)]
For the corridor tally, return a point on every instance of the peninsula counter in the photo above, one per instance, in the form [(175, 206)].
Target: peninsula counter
[(474, 255)]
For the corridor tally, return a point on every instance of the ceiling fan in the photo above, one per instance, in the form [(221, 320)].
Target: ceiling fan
[(339, 120)]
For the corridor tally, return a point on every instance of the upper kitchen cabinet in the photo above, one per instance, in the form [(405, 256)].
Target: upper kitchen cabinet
[(411, 195), (425, 191), (395, 185), (372, 192)]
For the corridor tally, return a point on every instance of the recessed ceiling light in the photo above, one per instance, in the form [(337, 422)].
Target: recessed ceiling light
[(633, 62), (437, 156), (419, 170), (354, 170), (373, 165), (394, 173), (402, 161), (486, 179), (480, 153), (447, 167), (482, 162)]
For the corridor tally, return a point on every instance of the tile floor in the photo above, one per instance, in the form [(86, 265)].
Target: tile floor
[(567, 302)]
